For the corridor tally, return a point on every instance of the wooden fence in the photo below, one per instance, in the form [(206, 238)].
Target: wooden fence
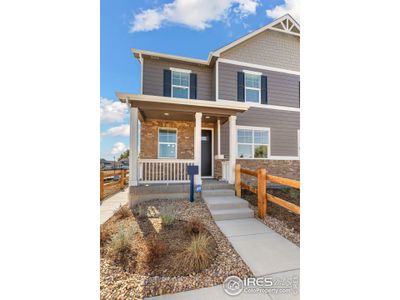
[(108, 185), (261, 190)]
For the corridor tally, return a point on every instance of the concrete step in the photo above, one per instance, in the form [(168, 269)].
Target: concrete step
[(217, 185), (225, 202), (217, 192), (230, 214)]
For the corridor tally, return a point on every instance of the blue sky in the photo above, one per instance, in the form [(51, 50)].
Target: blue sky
[(190, 28)]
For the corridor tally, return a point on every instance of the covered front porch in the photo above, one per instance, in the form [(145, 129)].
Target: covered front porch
[(174, 133)]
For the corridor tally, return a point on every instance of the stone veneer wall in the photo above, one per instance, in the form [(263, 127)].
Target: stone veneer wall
[(284, 168), (218, 168), (185, 138)]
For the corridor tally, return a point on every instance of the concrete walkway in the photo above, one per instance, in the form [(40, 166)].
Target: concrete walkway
[(263, 250), (110, 205)]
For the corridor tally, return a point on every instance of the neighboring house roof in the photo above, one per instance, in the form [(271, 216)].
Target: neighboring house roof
[(285, 24)]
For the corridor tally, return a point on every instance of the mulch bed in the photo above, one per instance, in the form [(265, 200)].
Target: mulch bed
[(278, 218), (140, 278)]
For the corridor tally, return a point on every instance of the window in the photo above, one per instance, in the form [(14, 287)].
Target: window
[(252, 84), (180, 84), (167, 142), (253, 143)]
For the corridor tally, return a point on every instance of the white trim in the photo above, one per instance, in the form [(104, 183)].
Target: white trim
[(158, 143), (272, 158), (197, 145), (254, 33), (219, 138), (253, 144), (298, 142), (180, 86), (232, 148), (251, 88), (180, 70), (252, 72), (170, 56), (285, 31), (275, 157), (141, 72), (234, 105), (265, 106), (133, 144), (217, 79), (256, 66), (212, 151)]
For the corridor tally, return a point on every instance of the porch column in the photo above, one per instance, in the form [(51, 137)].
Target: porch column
[(133, 151), (219, 137), (197, 146), (232, 148)]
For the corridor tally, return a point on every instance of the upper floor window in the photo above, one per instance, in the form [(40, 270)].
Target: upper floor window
[(180, 84), (253, 142), (252, 87), (167, 142)]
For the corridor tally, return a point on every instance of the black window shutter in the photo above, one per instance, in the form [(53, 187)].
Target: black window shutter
[(167, 83), (193, 86), (264, 89), (240, 86)]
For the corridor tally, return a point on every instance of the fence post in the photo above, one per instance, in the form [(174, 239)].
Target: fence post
[(261, 192), (122, 183), (237, 181), (101, 185)]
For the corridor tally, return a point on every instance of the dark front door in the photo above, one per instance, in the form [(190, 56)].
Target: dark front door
[(206, 155)]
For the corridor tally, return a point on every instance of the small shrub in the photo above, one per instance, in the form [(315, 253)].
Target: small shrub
[(194, 226), (197, 255), (155, 248), (105, 234), (167, 217), (120, 245), (123, 212), (140, 211)]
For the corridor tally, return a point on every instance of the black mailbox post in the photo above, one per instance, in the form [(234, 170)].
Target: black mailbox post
[(192, 170)]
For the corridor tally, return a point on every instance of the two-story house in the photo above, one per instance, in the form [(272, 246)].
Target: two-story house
[(241, 105)]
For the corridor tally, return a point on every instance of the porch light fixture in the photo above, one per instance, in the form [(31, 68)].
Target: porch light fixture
[(166, 114)]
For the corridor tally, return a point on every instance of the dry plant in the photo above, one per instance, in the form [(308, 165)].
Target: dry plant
[(140, 211), (120, 245), (194, 226), (105, 234), (123, 212), (197, 255), (155, 248)]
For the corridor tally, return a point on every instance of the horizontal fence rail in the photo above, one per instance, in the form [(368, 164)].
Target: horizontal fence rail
[(108, 184), (164, 171), (261, 190)]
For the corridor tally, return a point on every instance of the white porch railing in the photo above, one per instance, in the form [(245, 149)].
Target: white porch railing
[(163, 171)]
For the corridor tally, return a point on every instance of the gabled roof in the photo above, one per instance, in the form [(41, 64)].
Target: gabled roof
[(285, 24)]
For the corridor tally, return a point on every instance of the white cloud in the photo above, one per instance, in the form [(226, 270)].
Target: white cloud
[(118, 148), (122, 130), (291, 7), (112, 111), (196, 14)]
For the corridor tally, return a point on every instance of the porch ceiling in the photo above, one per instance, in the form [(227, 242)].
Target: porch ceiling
[(156, 107)]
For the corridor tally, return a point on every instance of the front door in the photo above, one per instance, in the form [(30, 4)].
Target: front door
[(206, 155)]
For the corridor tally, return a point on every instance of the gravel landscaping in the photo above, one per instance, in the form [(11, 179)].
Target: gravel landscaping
[(153, 260), (278, 218)]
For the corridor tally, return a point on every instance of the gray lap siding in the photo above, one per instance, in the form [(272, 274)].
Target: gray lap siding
[(153, 77), (283, 88), (283, 125)]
